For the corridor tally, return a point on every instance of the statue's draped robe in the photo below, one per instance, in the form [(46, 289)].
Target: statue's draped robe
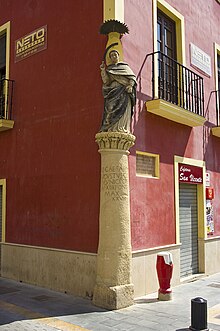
[(118, 103)]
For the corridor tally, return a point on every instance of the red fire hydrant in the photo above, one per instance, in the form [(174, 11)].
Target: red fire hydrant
[(164, 273)]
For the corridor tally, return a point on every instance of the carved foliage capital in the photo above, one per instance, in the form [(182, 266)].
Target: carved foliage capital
[(115, 140)]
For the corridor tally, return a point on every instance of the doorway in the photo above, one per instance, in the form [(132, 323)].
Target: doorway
[(188, 216)]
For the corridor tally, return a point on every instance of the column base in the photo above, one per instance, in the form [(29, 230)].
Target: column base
[(115, 297)]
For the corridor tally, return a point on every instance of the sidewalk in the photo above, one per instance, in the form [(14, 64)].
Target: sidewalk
[(29, 308)]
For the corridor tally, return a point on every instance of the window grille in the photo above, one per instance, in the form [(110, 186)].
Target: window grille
[(147, 165)]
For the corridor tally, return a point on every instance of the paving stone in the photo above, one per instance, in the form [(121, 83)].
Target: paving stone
[(147, 314)]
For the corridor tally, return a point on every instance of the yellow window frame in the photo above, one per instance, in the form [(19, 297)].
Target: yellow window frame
[(3, 184), (157, 165), (178, 18), (5, 29), (217, 53)]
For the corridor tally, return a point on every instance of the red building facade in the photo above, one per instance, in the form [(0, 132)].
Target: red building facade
[(49, 164)]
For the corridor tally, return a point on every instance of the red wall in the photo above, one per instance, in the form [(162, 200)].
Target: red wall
[(50, 158), (152, 200)]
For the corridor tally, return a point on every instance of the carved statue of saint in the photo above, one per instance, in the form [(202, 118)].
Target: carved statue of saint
[(119, 91)]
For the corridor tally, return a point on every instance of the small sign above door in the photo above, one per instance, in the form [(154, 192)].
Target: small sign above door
[(190, 174)]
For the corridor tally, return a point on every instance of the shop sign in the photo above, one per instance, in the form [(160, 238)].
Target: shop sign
[(190, 174), (200, 59), (30, 44), (207, 179), (209, 193)]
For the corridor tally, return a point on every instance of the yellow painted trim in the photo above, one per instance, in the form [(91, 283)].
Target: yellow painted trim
[(216, 131), (217, 52), (180, 33), (113, 9), (155, 47), (3, 184), (5, 28), (114, 37), (6, 124), (157, 165), (174, 113), (200, 196)]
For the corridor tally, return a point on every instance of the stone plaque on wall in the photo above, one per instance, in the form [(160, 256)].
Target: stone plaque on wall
[(200, 59)]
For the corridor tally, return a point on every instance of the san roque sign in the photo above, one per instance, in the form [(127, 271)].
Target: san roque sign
[(31, 44), (190, 174)]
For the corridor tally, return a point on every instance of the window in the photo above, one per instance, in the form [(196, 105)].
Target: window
[(173, 23), (166, 35), (217, 85), (169, 38), (167, 67), (6, 85), (147, 164), (2, 73), (2, 210), (2, 56)]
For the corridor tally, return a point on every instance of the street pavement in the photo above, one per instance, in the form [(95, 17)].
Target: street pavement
[(29, 308)]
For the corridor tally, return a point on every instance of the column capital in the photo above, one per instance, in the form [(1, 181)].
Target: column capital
[(115, 140)]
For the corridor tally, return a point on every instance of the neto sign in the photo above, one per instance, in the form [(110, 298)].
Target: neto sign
[(30, 44), (190, 174)]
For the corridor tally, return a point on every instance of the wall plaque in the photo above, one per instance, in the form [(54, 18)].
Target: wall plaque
[(200, 59), (30, 44)]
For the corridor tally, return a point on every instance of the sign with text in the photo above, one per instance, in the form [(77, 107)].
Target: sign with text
[(190, 174), (30, 44), (200, 59), (207, 179)]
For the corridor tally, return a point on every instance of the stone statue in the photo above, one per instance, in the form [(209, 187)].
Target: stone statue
[(119, 91), (119, 82)]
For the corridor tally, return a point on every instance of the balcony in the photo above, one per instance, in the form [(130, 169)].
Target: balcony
[(216, 130), (177, 92), (6, 96)]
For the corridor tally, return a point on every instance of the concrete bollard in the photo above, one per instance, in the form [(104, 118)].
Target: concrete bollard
[(198, 314)]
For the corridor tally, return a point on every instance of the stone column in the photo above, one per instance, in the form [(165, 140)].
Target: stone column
[(113, 288)]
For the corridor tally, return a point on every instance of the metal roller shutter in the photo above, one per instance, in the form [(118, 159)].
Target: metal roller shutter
[(0, 224), (188, 230)]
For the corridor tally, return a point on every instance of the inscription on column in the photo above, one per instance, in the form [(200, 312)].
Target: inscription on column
[(114, 182)]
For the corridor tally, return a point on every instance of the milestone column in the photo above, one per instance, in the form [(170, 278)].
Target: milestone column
[(113, 288)]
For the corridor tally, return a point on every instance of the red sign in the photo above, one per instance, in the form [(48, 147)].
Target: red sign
[(190, 174), (209, 193)]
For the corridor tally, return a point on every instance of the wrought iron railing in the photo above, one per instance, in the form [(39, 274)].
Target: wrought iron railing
[(6, 96), (173, 82)]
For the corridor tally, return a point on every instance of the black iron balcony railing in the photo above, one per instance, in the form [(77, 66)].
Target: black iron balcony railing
[(173, 82), (6, 96)]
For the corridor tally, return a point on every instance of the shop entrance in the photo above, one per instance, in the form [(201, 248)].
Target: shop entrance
[(188, 216)]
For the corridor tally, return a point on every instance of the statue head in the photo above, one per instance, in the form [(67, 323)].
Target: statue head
[(114, 56)]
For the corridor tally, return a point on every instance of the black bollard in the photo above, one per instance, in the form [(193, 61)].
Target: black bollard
[(198, 315)]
